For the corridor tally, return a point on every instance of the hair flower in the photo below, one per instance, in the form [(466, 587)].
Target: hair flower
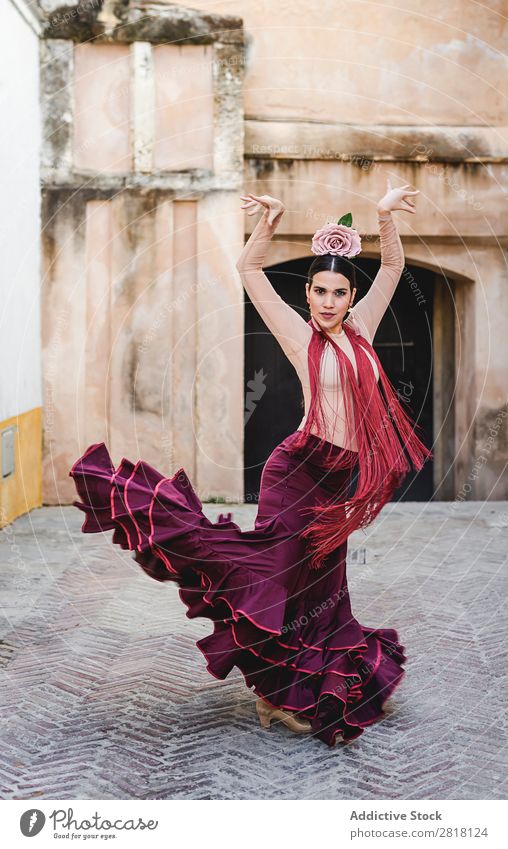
[(339, 239)]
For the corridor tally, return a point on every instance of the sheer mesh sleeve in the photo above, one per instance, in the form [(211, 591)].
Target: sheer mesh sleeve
[(287, 325), (370, 309)]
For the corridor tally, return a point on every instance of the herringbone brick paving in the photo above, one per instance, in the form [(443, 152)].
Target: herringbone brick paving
[(105, 695)]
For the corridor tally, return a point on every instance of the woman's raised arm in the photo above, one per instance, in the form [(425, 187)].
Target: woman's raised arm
[(370, 309), (287, 325)]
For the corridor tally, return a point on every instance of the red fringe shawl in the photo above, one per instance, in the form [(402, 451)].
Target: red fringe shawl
[(385, 436)]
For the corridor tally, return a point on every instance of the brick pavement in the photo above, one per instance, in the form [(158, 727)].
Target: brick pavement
[(104, 694)]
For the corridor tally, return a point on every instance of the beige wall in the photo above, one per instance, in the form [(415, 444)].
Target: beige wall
[(143, 308), (378, 62)]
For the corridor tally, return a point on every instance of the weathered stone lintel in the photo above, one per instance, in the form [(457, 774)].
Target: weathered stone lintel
[(117, 23), (362, 144), (179, 182)]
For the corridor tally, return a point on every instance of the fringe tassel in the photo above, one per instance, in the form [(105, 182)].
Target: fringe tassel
[(384, 432)]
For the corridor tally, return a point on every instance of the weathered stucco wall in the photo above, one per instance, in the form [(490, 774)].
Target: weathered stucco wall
[(143, 308), (373, 63)]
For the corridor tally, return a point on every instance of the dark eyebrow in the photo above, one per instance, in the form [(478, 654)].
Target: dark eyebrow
[(338, 289)]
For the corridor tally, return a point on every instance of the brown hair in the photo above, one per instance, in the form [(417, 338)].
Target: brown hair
[(332, 262)]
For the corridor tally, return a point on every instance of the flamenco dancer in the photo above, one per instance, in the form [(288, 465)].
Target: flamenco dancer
[(277, 594)]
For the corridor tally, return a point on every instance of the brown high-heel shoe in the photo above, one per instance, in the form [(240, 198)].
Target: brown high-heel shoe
[(266, 713)]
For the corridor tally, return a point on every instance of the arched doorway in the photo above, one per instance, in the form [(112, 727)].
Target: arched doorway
[(404, 344)]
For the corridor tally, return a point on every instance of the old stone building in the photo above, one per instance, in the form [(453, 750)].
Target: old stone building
[(154, 119)]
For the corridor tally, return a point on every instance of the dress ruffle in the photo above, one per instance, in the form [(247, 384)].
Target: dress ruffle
[(332, 670)]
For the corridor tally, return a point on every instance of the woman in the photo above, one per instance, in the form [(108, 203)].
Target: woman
[(277, 594)]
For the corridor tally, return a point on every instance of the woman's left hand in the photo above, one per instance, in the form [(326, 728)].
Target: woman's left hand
[(396, 198)]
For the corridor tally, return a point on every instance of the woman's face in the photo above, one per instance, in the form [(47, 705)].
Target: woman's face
[(329, 298)]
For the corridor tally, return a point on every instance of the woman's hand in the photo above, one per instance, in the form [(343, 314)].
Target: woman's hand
[(273, 207), (396, 198)]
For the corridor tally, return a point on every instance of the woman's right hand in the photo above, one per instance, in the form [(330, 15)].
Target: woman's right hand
[(273, 208)]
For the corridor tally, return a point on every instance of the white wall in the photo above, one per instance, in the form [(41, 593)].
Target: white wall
[(20, 342)]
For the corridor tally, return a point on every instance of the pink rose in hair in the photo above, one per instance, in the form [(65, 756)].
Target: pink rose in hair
[(336, 239)]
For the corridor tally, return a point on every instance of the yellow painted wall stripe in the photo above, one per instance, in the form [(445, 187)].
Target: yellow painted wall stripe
[(22, 491)]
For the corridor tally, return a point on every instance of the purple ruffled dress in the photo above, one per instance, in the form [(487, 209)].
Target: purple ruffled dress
[(288, 629)]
